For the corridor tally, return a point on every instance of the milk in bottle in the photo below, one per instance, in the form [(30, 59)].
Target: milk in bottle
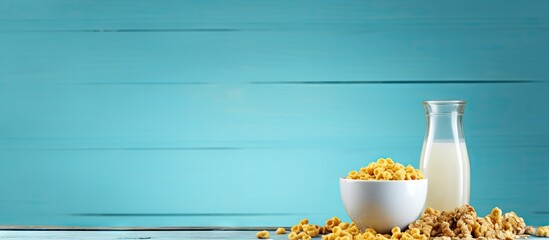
[(444, 159)]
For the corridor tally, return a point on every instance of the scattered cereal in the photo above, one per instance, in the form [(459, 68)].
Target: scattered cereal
[(262, 234), (463, 222), (529, 230), (280, 231), (386, 169), (458, 224), (542, 231), (332, 222), (334, 229)]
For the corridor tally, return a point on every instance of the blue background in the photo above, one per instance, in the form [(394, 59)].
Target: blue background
[(245, 113)]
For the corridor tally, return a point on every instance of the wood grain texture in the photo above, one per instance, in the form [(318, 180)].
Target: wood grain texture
[(204, 113), (162, 235), (108, 235), (212, 42)]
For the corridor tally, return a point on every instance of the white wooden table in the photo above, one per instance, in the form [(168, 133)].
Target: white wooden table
[(64, 233), (121, 235)]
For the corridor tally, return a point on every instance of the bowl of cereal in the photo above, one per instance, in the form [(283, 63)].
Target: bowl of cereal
[(383, 195)]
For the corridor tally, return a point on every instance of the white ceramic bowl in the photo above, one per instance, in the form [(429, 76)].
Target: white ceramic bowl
[(382, 205)]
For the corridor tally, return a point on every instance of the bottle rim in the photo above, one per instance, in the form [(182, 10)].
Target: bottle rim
[(444, 107), (440, 102)]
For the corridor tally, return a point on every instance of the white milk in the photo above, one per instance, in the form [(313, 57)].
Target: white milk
[(446, 165)]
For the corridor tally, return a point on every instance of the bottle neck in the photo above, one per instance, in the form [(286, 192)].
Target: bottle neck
[(444, 128), (444, 121)]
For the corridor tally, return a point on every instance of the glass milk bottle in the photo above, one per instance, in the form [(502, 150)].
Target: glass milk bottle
[(444, 159)]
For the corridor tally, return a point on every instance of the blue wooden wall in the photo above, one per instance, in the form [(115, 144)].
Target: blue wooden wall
[(245, 113)]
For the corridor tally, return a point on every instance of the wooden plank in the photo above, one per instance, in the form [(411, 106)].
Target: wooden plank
[(272, 56), (104, 235), (162, 235), (52, 14), (208, 187), (111, 228), (166, 116)]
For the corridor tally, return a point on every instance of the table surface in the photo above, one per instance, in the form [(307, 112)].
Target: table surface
[(119, 235), (139, 233)]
